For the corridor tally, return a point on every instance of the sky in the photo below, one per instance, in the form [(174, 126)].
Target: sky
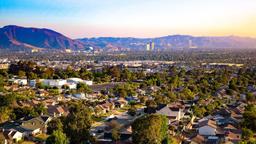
[(133, 18)]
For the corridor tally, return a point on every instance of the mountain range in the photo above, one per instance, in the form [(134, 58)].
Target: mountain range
[(15, 38)]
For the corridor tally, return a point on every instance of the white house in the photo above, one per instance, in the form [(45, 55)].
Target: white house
[(54, 83), (172, 113), (78, 80), (207, 128), (74, 80), (13, 135), (19, 81), (88, 82), (79, 96)]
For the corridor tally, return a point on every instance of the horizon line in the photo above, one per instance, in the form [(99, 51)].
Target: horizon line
[(137, 37)]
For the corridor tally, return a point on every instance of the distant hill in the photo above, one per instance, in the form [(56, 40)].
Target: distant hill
[(20, 38), (173, 42)]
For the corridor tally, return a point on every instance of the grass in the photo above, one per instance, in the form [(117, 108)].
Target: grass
[(42, 136), (28, 142), (97, 119)]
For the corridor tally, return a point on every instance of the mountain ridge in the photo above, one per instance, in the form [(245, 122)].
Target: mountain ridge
[(15, 37)]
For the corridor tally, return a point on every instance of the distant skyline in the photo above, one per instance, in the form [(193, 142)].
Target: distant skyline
[(133, 18)]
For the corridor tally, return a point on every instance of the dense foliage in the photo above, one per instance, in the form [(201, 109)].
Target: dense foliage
[(151, 129)]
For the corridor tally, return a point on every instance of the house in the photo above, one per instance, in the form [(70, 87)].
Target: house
[(121, 102), (107, 106), (57, 111), (78, 80), (32, 83), (207, 127), (34, 126), (173, 113), (198, 139), (42, 93), (3, 140), (49, 102), (13, 135), (233, 136), (79, 96), (20, 82), (53, 83)]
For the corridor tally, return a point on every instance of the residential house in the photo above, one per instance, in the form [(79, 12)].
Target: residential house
[(57, 111), (121, 102), (233, 136), (198, 139), (12, 135), (207, 127), (20, 82), (34, 126), (173, 113), (2, 137), (107, 106)]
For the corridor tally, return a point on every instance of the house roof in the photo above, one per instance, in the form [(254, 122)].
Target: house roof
[(169, 111), (210, 123), (56, 109), (233, 136), (230, 126), (34, 123), (198, 139), (2, 135)]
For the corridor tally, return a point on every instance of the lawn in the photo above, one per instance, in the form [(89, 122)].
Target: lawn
[(28, 142), (42, 136)]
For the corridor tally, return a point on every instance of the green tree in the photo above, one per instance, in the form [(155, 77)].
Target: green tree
[(21, 74), (132, 111), (57, 137), (126, 75), (247, 133), (5, 113), (78, 123), (82, 87), (115, 134), (199, 111), (1, 83), (151, 129), (54, 125), (250, 117)]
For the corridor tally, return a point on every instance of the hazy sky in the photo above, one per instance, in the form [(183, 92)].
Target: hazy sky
[(137, 18)]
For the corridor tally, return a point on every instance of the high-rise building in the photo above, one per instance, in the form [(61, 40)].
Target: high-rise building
[(150, 46)]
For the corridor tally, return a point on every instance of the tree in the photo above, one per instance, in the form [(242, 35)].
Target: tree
[(82, 87), (4, 114), (172, 96), (54, 125), (132, 111), (40, 109), (126, 75), (115, 72), (57, 137), (1, 83), (250, 118), (247, 133), (78, 123), (152, 129), (19, 112), (199, 111), (250, 97), (2, 139), (21, 74), (151, 104), (114, 126), (115, 135)]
